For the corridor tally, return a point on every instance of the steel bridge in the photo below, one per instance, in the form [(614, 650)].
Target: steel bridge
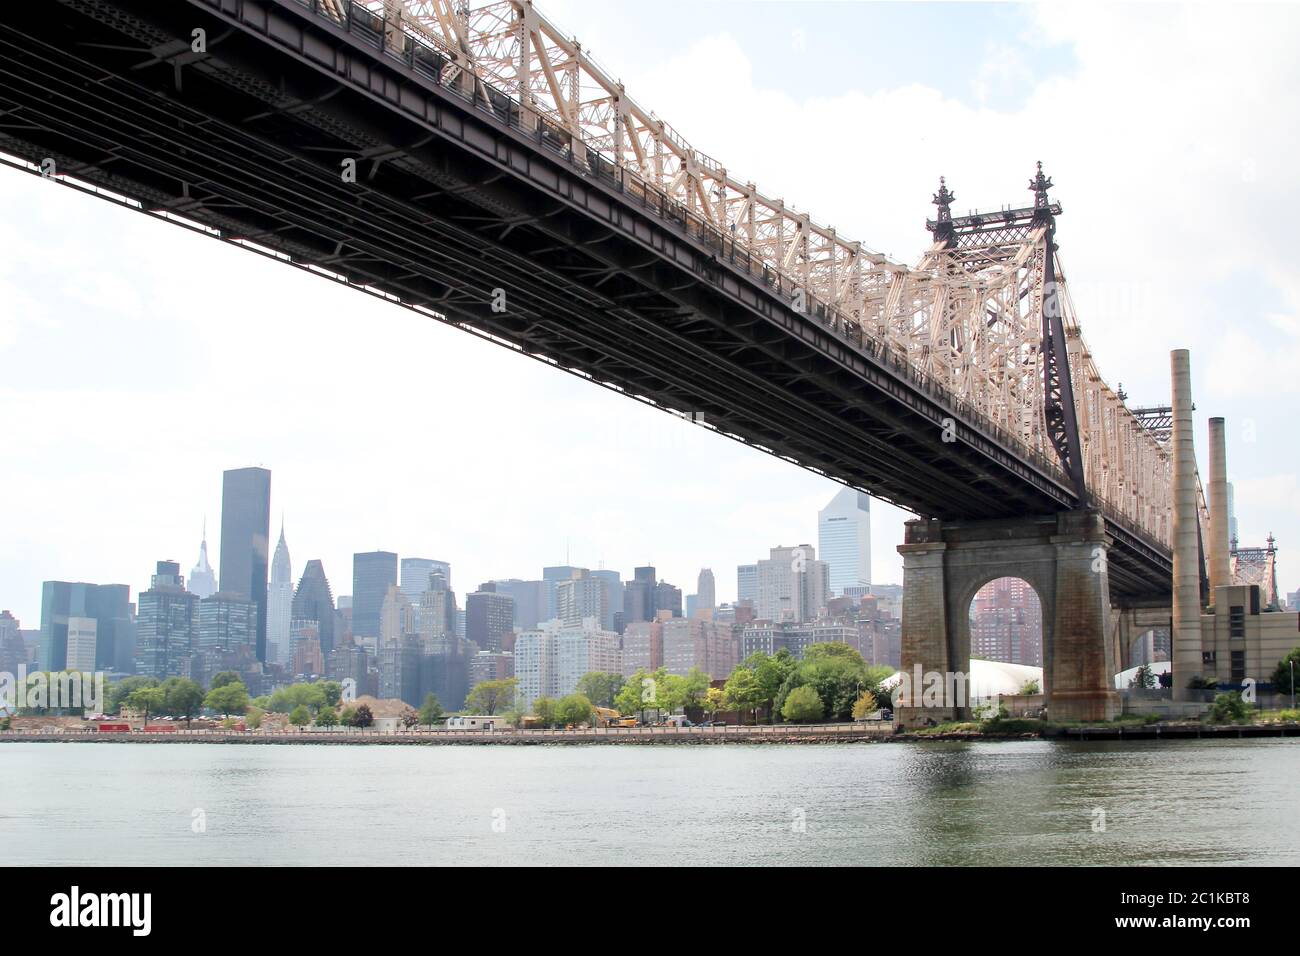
[(477, 166)]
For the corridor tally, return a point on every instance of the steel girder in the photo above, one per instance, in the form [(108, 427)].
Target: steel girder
[(606, 278)]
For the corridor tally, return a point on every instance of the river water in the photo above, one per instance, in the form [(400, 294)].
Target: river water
[(1014, 803)]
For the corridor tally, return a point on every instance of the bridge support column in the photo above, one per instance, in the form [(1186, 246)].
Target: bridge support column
[(1062, 557), (926, 637), (1079, 662)]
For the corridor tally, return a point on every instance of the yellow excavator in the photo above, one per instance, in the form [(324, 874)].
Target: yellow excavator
[(607, 717)]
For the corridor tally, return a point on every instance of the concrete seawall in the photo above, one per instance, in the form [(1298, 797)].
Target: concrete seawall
[(813, 734), (829, 734)]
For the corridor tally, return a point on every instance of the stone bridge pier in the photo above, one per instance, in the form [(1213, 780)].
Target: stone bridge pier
[(1064, 559)]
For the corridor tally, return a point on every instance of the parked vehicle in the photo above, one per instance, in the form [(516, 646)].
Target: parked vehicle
[(477, 722)]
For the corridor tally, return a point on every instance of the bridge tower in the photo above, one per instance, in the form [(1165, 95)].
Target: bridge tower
[(1063, 556)]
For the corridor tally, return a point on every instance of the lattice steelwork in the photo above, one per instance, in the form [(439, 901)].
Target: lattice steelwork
[(1258, 566), (969, 315)]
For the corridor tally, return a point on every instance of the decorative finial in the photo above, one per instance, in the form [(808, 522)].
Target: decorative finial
[(1121, 394), (1040, 184), (943, 199)]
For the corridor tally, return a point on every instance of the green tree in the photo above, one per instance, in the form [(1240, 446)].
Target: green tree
[(834, 650), (1228, 708), (1281, 678), (311, 696), (410, 717), (300, 717), (877, 674), (253, 719), (743, 691), (1030, 687), (695, 688), (182, 697), (601, 688), (574, 709), (491, 697), (327, 717), (431, 713), (641, 692), (363, 717), (772, 672), (546, 710), (670, 692), (802, 705), (333, 692), (146, 701), (864, 706), (119, 692), (1143, 678), (713, 702), (224, 678), (349, 717), (836, 672), (231, 698)]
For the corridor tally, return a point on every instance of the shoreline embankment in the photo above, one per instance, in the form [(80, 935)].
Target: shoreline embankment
[(827, 734)]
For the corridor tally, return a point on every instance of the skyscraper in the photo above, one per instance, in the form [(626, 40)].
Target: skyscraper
[(108, 604), (245, 541), (580, 597), (705, 591), (203, 581), (747, 583), (313, 602), (613, 595), (415, 575), (373, 573), (844, 539), (668, 597), (165, 624), (639, 595), (490, 620), (529, 598), (279, 603), (552, 577), (227, 625), (791, 585)]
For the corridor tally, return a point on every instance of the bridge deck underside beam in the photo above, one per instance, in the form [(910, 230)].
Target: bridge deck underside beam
[(450, 205)]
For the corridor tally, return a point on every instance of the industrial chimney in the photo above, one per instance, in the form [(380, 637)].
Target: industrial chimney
[(1187, 556), (1217, 547)]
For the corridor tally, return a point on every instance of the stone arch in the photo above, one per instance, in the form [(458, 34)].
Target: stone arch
[(1062, 557), (1038, 595), (973, 566)]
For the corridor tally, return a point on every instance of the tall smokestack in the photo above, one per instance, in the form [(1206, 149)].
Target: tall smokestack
[(1220, 570), (1187, 558)]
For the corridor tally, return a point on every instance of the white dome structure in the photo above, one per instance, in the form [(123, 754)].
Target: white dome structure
[(989, 679)]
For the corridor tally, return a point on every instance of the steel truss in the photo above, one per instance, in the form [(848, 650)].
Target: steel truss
[(974, 315)]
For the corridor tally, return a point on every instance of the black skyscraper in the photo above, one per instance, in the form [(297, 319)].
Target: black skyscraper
[(373, 572), (314, 602), (245, 540)]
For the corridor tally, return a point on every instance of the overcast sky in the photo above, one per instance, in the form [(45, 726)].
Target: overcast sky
[(139, 361)]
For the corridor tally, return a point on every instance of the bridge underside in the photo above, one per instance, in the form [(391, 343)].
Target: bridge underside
[(457, 202)]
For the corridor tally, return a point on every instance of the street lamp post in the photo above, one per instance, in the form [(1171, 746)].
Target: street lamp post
[(1292, 663)]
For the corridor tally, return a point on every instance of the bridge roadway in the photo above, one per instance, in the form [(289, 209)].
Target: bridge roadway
[(457, 196)]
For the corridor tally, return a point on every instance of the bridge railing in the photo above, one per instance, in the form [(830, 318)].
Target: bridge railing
[(436, 63)]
